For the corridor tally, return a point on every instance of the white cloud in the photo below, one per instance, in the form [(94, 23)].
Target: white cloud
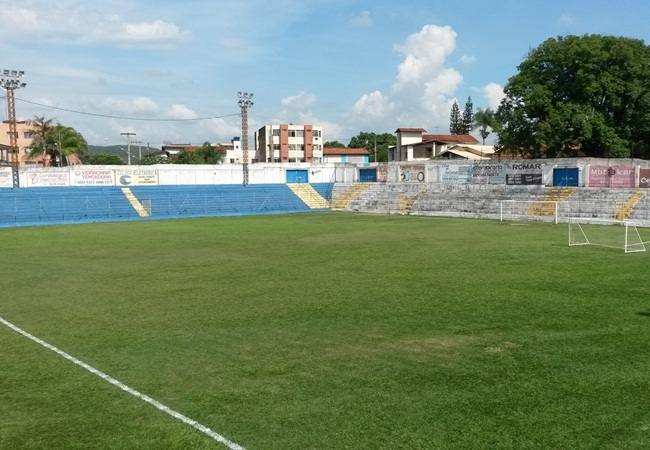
[(493, 94), (468, 59), (222, 130), (423, 89), (372, 105), (178, 111), (134, 105), (424, 54), (71, 21), (362, 20), (300, 101)]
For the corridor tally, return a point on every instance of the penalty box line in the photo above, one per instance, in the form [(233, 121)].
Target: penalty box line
[(145, 398)]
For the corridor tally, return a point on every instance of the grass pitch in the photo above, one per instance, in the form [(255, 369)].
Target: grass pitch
[(324, 331)]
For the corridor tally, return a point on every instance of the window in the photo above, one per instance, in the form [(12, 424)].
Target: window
[(232, 160), (276, 146), (300, 133), (292, 133), (317, 133), (276, 132), (28, 134)]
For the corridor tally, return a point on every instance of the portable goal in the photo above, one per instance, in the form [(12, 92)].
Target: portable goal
[(537, 210), (618, 234)]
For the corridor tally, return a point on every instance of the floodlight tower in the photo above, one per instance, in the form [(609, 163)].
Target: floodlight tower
[(245, 102), (10, 81)]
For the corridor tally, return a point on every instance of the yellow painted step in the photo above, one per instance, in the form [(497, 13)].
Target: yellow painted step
[(344, 200), (135, 203), (543, 208), (309, 195), (626, 208)]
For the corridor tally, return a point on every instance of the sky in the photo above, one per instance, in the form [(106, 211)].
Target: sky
[(349, 66)]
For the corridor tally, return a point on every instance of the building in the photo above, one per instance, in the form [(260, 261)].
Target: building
[(467, 151), (25, 140), (345, 155), (289, 143), (415, 144)]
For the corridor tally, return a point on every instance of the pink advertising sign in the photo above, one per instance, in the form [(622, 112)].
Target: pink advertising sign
[(611, 176)]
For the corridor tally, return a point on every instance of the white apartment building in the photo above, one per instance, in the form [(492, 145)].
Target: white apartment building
[(289, 143)]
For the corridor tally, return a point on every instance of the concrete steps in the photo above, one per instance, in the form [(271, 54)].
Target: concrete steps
[(309, 195)]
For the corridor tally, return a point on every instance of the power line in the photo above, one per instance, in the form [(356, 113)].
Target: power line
[(110, 116)]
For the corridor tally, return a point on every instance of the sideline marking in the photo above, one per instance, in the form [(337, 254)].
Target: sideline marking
[(155, 403)]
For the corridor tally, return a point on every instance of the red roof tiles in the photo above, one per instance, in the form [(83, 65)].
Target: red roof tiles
[(344, 151)]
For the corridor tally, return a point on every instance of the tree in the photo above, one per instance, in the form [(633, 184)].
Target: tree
[(58, 142), (367, 140), (155, 158), (484, 120), (455, 120), (333, 144), (579, 95), (467, 120), (206, 154), (102, 159)]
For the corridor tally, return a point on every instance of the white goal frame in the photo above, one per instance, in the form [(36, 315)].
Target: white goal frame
[(553, 204), (632, 241)]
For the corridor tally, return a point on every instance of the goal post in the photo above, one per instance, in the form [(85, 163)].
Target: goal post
[(610, 233), (537, 210)]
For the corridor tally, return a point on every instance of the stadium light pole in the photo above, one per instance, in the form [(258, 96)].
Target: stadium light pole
[(245, 102), (10, 81), (128, 145)]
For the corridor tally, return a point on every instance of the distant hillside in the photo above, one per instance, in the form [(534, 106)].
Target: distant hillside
[(120, 151)]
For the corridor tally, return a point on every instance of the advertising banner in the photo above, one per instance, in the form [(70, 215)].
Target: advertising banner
[(524, 173), (456, 173), (89, 177), (135, 177), (6, 180), (413, 173), (611, 176), (47, 179), (488, 173), (644, 178)]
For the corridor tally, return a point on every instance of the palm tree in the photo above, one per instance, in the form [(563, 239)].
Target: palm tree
[(484, 119), (40, 127), (58, 142)]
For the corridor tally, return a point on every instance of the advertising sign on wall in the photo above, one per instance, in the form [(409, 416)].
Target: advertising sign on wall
[(487, 173), (6, 180), (47, 179), (89, 177), (134, 177), (644, 178), (456, 173), (413, 173), (524, 173), (611, 176)]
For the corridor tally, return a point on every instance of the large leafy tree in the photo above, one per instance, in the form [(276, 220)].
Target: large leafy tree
[(58, 141), (335, 144), (102, 159), (368, 140), (579, 95), (484, 122), (206, 154)]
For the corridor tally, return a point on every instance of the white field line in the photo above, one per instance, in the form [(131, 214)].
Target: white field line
[(155, 403)]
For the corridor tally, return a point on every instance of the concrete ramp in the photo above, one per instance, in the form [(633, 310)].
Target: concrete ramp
[(309, 195), (135, 203)]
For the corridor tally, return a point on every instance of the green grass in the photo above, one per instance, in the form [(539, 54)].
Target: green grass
[(324, 331)]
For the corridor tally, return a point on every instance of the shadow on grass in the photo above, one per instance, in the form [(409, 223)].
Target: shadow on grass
[(644, 313)]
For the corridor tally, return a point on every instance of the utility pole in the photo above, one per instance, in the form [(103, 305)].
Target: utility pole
[(128, 145), (375, 148), (10, 81), (245, 102)]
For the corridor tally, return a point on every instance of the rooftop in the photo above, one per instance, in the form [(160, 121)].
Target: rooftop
[(450, 138), (410, 130), (344, 151)]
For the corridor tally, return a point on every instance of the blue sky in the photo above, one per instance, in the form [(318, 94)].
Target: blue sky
[(348, 65)]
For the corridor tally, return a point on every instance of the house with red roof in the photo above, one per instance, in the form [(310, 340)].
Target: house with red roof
[(345, 154), (416, 144)]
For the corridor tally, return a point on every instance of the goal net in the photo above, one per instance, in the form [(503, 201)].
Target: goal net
[(538, 210), (618, 234)]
